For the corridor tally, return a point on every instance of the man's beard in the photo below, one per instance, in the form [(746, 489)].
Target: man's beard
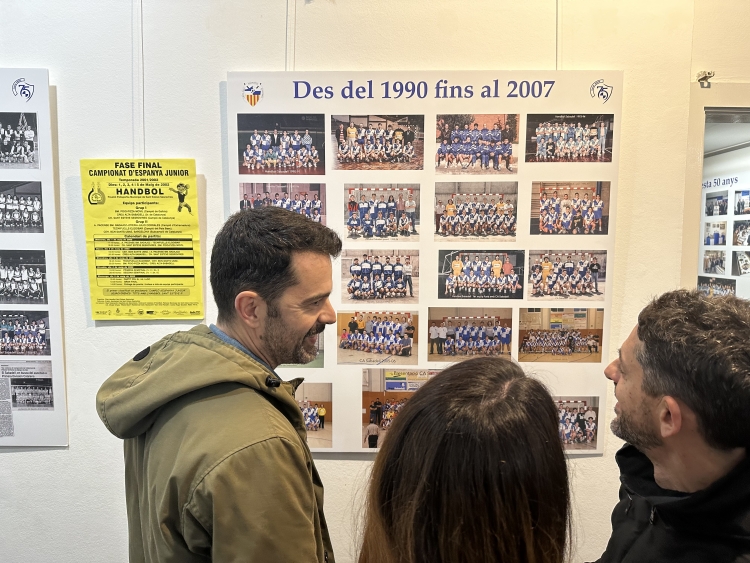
[(281, 349), (634, 430)]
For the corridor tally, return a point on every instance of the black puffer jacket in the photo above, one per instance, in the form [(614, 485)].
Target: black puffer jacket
[(651, 524)]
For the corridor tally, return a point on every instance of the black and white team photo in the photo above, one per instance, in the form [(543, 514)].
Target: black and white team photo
[(281, 143), (23, 277), (378, 142), (569, 138), (480, 274), (19, 148), (32, 394), (477, 143), (476, 211), (382, 211), (569, 208), (21, 207)]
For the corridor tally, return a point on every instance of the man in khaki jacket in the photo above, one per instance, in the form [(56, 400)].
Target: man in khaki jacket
[(217, 465)]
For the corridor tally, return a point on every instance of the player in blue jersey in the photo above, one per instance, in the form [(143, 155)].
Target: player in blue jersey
[(354, 226)]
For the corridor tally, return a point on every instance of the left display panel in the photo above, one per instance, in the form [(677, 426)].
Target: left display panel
[(33, 410)]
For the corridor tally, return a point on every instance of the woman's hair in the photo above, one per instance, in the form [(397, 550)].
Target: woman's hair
[(472, 471)]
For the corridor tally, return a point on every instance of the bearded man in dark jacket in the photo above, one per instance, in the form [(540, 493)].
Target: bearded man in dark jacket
[(682, 382)]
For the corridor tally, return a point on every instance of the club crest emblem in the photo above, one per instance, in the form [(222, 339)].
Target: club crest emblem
[(600, 90), (22, 88), (253, 92)]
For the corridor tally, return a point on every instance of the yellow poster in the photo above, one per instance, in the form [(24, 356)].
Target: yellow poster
[(142, 239)]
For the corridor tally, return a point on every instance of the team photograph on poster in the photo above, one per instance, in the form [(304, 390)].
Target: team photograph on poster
[(715, 233), (476, 211), (281, 143), (384, 393), (741, 203), (23, 277), (570, 208), (315, 401), (577, 422), (714, 262), (560, 335), (378, 337), (380, 276), (717, 203), (305, 199), (382, 211), (32, 393), (458, 333), (378, 142), (476, 143), (21, 207), (480, 274), (19, 148), (741, 233), (569, 138), (24, 333), (709, 286), (567, 274)]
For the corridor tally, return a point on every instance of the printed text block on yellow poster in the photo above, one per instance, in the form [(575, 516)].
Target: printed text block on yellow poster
[(142, 239)]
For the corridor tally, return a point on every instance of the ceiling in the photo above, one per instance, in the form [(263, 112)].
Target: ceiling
[(726, 129)]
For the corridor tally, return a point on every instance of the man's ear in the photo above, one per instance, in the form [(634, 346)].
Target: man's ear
[(670, 417), (251, 308)]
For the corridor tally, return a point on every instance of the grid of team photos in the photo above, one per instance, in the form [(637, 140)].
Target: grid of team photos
[(476, 210), (380, 276), (476, 144), (569, 138), (382, 211), (384, 394), (567, 274), (378, 142), (469, 332), (480, 274), (305, 199), (570, 208), (19, 147), (281, 143), (725, 237), (378, 337), (472, 207)]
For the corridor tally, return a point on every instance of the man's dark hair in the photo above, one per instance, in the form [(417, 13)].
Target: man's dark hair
[(253, 251), (695, 348), (472, 470)]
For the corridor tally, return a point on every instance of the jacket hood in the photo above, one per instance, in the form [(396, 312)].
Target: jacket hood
[(723, 507), (180, 363)]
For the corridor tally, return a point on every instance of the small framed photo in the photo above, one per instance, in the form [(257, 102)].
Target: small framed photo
[(567, 274), (378, 338), (477, 144), (480, 274), (378, 142), (382, 211), (560, 335), (19, 136), (281, 143), (315, 400), (569, 137), (578, 423), (469, 332)]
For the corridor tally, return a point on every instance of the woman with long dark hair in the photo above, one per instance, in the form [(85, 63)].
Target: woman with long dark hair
[(471, 471)]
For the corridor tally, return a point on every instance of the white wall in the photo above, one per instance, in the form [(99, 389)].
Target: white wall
[(93, 49)]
